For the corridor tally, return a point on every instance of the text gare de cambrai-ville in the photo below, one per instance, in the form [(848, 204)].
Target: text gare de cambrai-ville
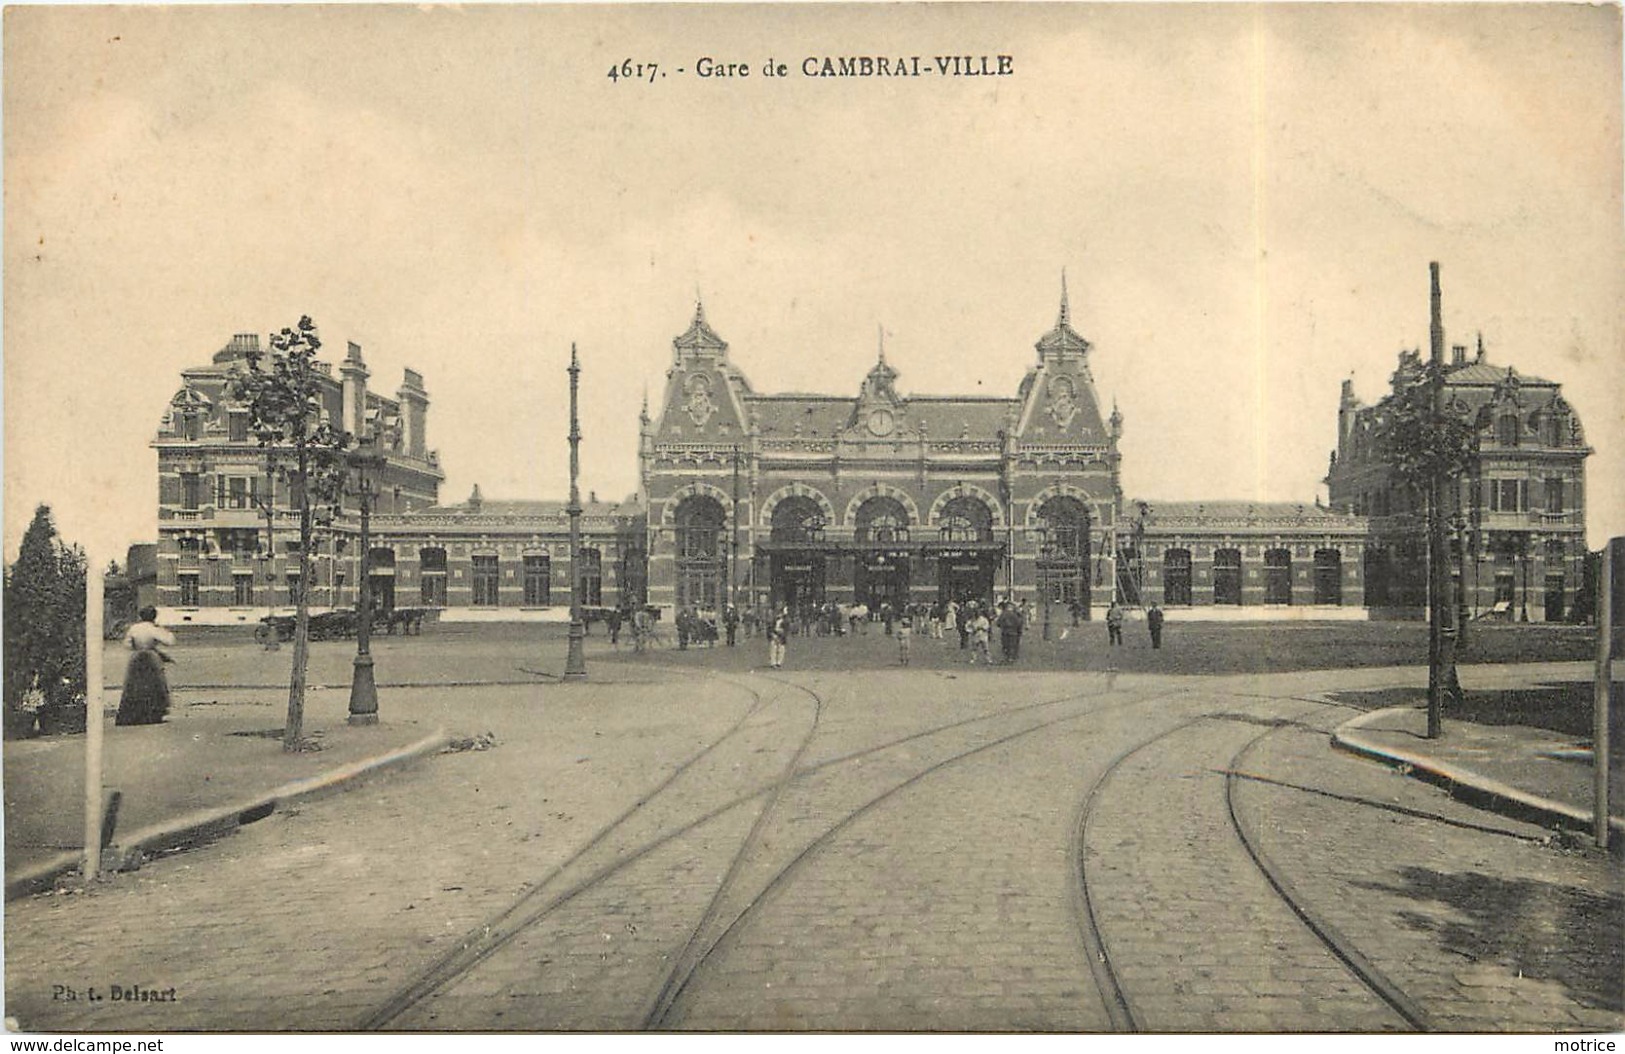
[(869, 66)]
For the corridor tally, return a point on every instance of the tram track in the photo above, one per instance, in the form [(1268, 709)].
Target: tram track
[(1118, 1000), (542, 900)]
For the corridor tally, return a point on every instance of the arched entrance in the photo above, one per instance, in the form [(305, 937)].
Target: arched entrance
[(796, 565), (700, 525), (1063, 553), (882, 535), (965, 566)]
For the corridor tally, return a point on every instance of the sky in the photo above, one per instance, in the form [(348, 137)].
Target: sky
[(1244, 201)]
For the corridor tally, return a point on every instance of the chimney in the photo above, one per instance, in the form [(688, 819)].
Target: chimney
[(414, 413), (1437, 328), (353, 381)]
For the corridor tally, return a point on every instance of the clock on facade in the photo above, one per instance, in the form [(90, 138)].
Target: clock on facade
[(881, 422)]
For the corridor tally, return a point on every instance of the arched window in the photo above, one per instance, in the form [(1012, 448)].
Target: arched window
[(798, 520), (881, 521), (966, 520)]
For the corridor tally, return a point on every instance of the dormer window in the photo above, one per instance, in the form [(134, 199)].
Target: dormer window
[(237, 426), (1506, 430)]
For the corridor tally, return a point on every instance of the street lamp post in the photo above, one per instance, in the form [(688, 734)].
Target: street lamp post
[(575, 659), (363, 686)]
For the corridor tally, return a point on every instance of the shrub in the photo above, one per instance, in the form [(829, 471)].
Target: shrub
[(44, 683)]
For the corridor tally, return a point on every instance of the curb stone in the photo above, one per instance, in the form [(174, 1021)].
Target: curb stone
[(1470, 786), (203, 826)]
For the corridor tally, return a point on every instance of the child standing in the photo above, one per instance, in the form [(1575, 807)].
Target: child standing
[(905, 633)]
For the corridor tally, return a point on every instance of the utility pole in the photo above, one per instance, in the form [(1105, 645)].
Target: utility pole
[(575, 658), (363, 687), (733, 553), (1441, 634)]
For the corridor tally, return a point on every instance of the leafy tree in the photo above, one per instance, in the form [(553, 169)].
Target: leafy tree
[(45, 633), (1418, 442), (282, 392)]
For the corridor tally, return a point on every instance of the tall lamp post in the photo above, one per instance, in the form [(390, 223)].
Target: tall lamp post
[(575, 659), (733, 553), (363, 688)]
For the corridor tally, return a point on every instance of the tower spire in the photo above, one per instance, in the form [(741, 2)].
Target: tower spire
[(1066, 310), (882, 328), (699, 307)]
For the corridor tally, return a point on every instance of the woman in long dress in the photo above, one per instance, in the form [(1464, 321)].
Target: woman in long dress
[(145, 699)]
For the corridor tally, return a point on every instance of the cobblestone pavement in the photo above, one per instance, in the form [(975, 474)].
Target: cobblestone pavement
[(885, 850)]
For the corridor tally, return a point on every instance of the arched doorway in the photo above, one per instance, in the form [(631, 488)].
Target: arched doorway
[(797, 566), (965, 567), (700, 527), (1063, 554), (882, 534)]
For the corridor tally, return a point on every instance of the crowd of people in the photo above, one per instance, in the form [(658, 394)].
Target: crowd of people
[(979, 625)]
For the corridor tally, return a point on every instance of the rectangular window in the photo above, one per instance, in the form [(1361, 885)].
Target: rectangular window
[(293, 587), (434, 590), (592, 578), (1554, 494), (1508, 495), (1277, 576), (242, 590), (189, 591), (486, 574), (1227, 576), (237, 427), (188, 543), (191, 490), (1176, 577), (538, 582)]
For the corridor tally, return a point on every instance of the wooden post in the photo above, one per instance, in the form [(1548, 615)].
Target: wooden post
[(93, 718), (1601, 690)]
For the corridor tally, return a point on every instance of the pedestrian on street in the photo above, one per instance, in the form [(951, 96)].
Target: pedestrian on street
[(979, 629), (1114, 623), (966, 615), (1009, 623), (905, 634), (685, 625), (145, 699), (778, 635), (615, 627), (1153, 622), (730, 621)]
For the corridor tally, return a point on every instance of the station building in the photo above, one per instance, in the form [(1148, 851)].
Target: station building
[(874, 496), (879, 497), (228, 535), (1517, 513)]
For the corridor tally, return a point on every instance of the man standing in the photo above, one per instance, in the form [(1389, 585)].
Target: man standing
[(1153, 622), (1009, 623), (778, 634), (1114, 623), (730, 622)]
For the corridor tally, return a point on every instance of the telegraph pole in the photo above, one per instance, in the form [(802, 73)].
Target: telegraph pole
[(363, 687), (1441, 634), (575, 659), (733, 554)]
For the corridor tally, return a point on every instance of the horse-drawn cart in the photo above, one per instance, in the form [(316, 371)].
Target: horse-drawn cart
[(341, 624)]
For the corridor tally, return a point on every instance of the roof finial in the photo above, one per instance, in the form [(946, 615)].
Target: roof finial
[(699, 307), (1480, 345), (1066, 310), (882, 328)]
